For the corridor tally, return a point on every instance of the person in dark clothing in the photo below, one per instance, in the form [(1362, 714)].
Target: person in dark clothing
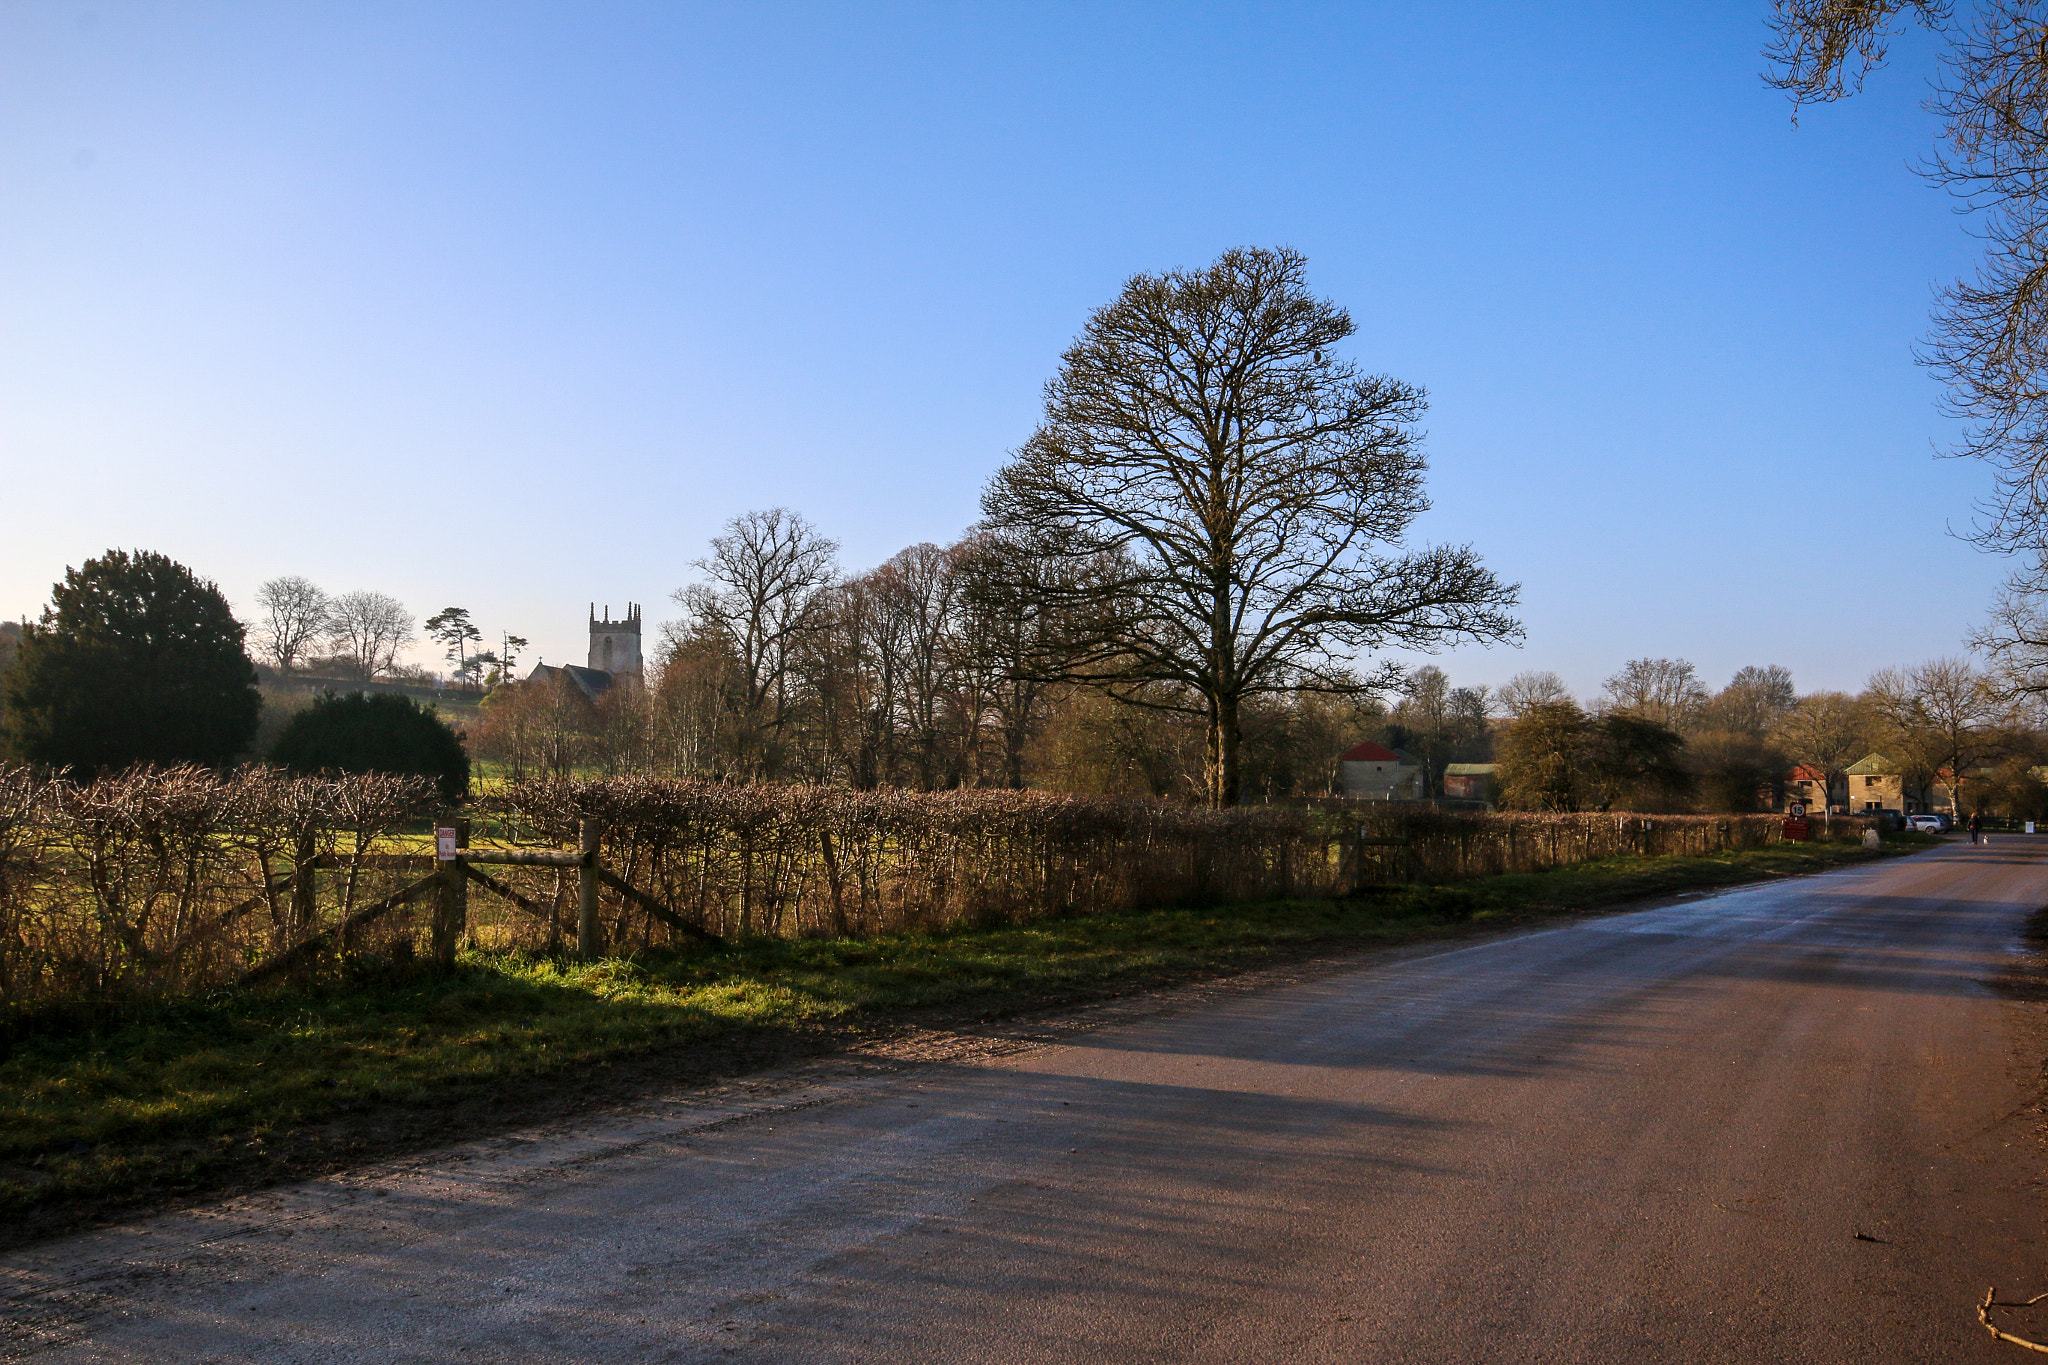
[(1975, 825)]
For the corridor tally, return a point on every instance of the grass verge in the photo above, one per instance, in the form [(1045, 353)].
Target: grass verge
[(204, 1095)]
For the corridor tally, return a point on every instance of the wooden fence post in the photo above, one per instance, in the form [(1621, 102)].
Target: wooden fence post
[(451, 897), (304, 907), (586, 890)]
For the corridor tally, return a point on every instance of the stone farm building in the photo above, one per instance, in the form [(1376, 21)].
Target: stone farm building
[(1373, 772), (614, 655)]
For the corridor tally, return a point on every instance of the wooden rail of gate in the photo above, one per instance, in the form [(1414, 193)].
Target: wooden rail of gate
[(455, 865)]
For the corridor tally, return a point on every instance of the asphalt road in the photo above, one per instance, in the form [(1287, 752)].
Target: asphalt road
[(1653, 1136)]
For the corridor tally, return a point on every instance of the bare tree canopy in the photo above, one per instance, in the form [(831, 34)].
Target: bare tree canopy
[(1989, 338), (367, 629), (1825, 731), (1941, 718), (1534, 688), (1244, 495), (1755, 700), (2015, 637), (1667, 691), (764, 575), (295, 616), (1434, 719), (1824, 48)]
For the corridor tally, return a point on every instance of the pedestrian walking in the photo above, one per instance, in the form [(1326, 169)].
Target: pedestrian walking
[(1975, 825)]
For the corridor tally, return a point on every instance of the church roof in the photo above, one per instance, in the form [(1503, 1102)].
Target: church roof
[(591, 682)]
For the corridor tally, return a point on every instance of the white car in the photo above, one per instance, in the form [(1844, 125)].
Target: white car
[(1924, 824)]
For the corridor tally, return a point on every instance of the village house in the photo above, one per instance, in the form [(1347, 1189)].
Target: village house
[(1875, 784), (1373, 772), (1809, 785)]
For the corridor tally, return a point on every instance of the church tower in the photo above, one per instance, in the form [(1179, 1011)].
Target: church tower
[(615, 645)]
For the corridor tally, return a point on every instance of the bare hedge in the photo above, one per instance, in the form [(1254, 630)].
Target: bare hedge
[(1421, 844), (785, 860), (158, 882)]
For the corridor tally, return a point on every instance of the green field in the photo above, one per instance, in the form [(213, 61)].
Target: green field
[(105, 1108)]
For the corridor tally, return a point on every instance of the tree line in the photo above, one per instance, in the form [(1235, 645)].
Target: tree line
[(1657, 739), (359, 635), (139, 662), (1178, 573), (1179, 586)]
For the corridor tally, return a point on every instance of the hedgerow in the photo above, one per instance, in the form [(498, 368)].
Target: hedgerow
[(156, 882)]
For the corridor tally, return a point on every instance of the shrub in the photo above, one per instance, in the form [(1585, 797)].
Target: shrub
[(382, 733)]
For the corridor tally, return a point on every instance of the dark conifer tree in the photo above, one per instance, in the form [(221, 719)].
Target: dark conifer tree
[(136, 660)]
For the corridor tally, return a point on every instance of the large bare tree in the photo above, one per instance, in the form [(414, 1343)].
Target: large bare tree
[(2014, 635), (1667, 691), (367, 629), (920, 587), (763, 577), (1247, 495), (1943, 716), (1989, 339), (1825, 731), (1755, 700), (295, 616), (1535, 687)]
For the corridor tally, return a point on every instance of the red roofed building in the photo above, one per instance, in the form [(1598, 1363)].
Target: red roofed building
[(1373, 772), (1809, 784)]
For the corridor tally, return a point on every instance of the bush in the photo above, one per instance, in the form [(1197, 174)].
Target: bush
[(382, 733)]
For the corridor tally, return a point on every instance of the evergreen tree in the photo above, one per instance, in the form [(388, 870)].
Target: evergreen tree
[(136, 660), (382, 733)]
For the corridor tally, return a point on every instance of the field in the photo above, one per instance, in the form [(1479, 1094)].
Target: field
[(110, 1103)]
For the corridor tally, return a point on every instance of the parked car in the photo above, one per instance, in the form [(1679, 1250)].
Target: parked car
[(1926, 824)]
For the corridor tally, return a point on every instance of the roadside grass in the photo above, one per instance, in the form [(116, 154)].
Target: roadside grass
[(109, 1107)]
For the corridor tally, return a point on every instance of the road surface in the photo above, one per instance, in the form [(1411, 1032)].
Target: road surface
[(1790, 1122)]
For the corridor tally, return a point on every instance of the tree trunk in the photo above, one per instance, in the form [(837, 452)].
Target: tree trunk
[(1223, 752)]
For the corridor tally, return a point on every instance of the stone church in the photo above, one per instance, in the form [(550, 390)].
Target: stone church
[(614, 655)]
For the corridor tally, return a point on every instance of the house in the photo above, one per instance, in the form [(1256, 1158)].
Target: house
[(1875, 784), (1469, 781), (1808, 784), (1373, 772)]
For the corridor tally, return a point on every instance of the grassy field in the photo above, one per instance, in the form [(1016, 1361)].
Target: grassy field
[(101, 1110)]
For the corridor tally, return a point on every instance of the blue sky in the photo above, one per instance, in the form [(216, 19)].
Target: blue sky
[(510, 306)]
